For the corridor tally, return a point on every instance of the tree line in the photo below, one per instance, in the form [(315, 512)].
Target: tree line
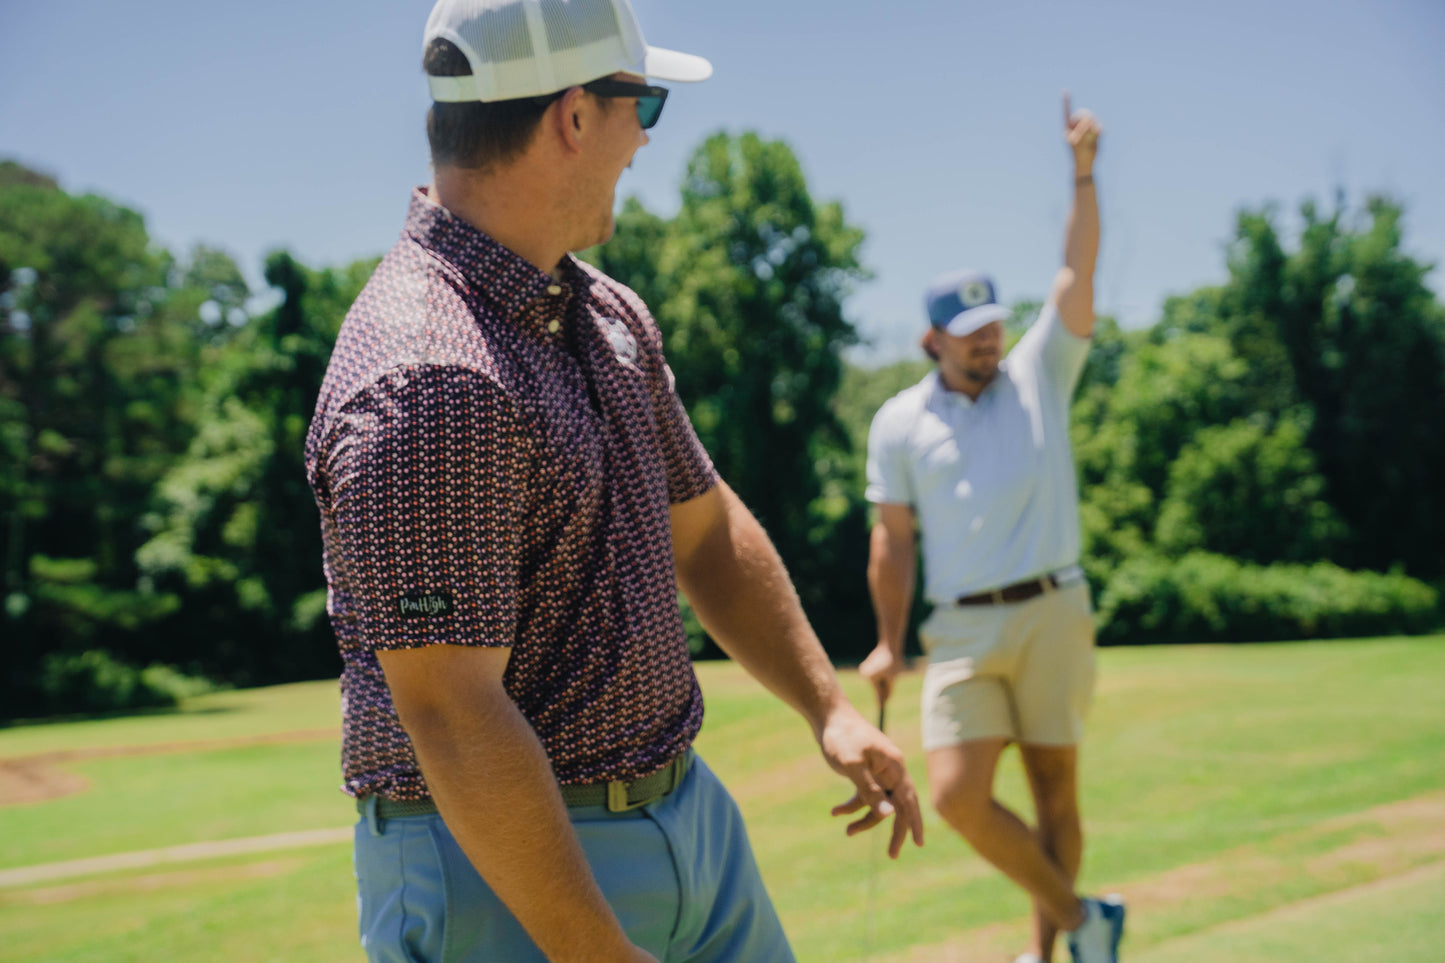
[(1261, 463)]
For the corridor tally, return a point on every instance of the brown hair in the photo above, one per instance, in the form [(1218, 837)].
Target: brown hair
[(475, 135), (926, 343)]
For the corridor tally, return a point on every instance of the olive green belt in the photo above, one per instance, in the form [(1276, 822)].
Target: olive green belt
[(618, 796)]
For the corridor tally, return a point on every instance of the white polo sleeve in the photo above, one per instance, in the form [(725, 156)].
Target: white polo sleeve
[(1053, 351), (889, 471)]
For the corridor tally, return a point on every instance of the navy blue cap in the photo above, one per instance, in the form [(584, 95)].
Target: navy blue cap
[(961, 302)]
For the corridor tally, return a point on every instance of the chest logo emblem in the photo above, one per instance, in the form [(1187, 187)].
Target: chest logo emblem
[(624, 345)]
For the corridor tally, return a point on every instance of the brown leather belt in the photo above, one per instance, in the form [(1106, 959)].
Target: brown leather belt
[(618, 796), (1017, 592)]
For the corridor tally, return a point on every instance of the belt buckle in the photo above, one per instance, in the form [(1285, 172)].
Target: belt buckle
[(617, 798)]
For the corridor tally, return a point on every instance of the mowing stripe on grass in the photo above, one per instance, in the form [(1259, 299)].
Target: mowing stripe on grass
[(1337, 859), (48, 872)]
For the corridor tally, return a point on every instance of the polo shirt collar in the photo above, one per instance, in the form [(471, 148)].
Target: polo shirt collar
[(507, 282), (942, 394)]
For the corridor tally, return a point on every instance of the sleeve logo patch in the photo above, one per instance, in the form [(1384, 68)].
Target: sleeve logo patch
[(427, 605)]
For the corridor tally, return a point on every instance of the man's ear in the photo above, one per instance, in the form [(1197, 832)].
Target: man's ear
[(570, 116), (929, 342)]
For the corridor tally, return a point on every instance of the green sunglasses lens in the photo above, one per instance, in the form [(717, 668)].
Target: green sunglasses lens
[(649, 108)]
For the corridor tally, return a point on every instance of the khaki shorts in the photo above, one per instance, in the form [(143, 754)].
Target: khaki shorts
[(1023, 672)]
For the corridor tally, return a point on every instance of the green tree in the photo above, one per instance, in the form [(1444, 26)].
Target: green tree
[(1127, 434), (237, 532), (1342, 334), (95, 391), (1248, 492), (747, 284), (1366, 339)]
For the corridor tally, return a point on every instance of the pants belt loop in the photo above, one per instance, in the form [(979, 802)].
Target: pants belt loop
[(374, 822), (997, 596), (1048, 583)]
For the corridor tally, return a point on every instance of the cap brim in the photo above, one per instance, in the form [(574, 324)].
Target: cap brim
[(663, 64), (974, 318)]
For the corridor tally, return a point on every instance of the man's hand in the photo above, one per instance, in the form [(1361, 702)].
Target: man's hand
[(875, 765), (881, 668), (1081, 130)]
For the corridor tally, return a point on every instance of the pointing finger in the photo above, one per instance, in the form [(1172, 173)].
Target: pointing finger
[(1068, 111)]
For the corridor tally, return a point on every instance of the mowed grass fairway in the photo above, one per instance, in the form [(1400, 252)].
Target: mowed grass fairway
[(1255, 803)]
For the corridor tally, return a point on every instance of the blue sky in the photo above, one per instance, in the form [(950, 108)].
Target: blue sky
[(937, 124)]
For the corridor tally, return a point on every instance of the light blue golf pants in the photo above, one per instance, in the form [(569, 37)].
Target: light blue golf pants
[(679, 873)]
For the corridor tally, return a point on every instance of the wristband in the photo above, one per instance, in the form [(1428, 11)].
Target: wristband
[(1081, 181)]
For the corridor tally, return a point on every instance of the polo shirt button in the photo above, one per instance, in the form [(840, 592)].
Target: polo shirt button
[(554, 326), (554, 289)]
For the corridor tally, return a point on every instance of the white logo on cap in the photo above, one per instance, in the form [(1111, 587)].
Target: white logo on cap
[(973, 293)]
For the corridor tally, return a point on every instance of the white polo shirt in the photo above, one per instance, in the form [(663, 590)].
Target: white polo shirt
[(991, 481)]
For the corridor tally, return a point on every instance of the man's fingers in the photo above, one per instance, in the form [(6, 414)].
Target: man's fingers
[(900, 833), (909, 820), (885, 806), (873, 818), (902, 805), (868, 788), (911, 811)]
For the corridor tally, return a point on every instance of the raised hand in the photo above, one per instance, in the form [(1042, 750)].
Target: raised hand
[(1081, 130)]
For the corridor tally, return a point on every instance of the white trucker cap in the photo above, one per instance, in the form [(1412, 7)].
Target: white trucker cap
[(528, 48)]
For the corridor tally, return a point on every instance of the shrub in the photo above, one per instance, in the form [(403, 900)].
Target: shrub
[(1210, 598), (95, 681), (1248, 491)]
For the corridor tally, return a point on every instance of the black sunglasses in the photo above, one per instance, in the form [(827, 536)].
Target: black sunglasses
[(649, 99)]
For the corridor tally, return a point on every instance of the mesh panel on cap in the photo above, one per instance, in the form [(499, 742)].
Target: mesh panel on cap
[(574, 23), (498, 34)]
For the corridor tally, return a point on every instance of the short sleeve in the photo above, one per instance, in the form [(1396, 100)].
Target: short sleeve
[(426, 476), (1053, 351), (890, 480)]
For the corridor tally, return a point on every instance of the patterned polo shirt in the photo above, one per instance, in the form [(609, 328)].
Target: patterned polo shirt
[(494, 453)]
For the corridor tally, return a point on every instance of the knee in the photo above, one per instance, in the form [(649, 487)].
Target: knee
[(962, 806)]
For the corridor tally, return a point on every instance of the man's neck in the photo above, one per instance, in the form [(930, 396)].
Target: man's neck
[(963, 382), (508, 210)]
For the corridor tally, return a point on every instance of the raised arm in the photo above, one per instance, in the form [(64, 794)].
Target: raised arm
[(731, 574), (1073, 290)]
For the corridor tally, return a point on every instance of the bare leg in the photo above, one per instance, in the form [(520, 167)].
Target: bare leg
[(1053, 778), (961, 778)]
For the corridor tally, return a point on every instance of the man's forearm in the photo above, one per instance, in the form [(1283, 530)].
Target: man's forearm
[(1081, 241), (494, 788), (737, 585), (891, 570)]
